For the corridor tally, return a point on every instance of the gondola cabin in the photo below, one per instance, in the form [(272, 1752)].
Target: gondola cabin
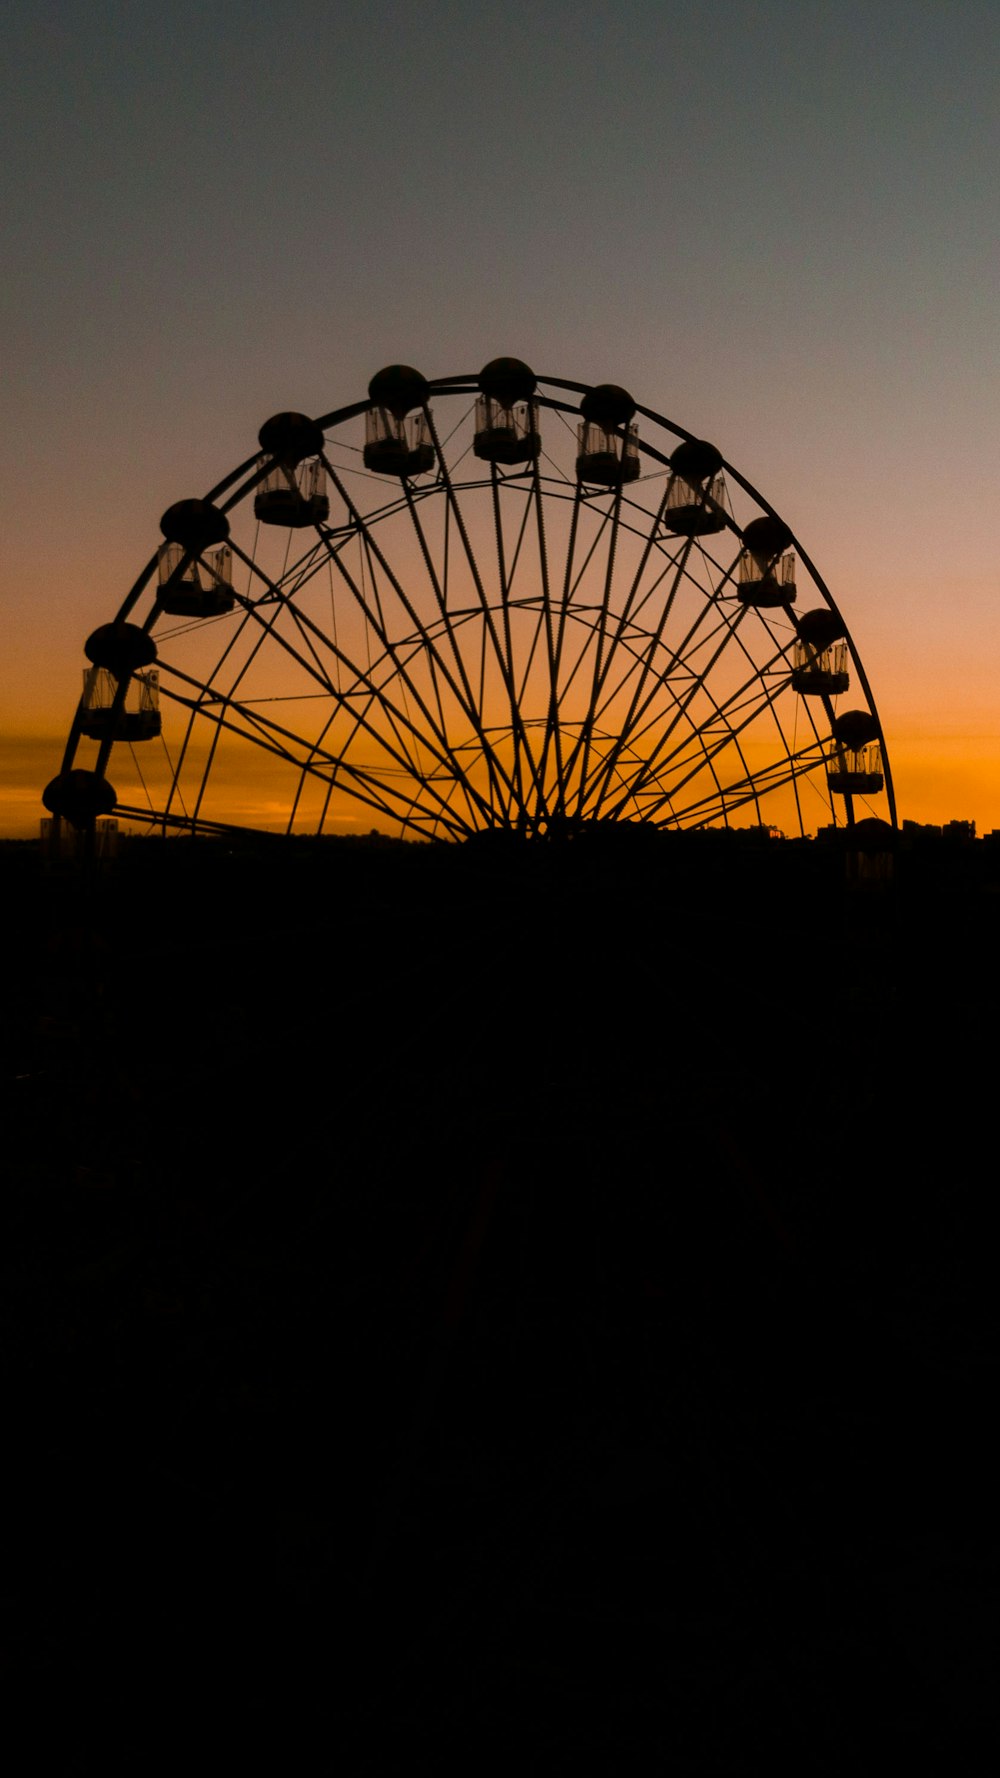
[(695, 512), (193, 587), (764, 584), (506, 435), (603, 459), (293, 497), (854, 767), (397, 444), (819, 672), (856, 771), (139, 717), (819, 657)]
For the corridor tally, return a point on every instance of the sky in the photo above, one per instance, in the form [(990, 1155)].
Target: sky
[(775, 223)]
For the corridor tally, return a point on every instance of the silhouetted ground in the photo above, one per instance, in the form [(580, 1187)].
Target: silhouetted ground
[(526, 1306)]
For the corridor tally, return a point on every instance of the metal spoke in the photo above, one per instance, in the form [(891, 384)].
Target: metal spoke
[(683, 706), (322, 678), (750, 790), (385, 705), (436, 723), (505, 664), (588, 721), (636, 708), (734, 731), (552, 729), (270, 736), (497, 773), (696, 734), (756, 683)]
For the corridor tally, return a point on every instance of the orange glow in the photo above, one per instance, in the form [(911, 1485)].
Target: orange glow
[(938, 777)]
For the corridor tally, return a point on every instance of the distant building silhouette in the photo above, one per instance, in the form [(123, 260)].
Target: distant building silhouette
[(930, 833)]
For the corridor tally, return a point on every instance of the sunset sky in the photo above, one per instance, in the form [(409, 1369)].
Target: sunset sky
[(775, 223)]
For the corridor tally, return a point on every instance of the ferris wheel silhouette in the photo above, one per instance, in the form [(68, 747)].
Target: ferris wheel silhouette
[(482, 602)]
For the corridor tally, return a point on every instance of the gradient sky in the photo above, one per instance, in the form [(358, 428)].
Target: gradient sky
[(776, 223)]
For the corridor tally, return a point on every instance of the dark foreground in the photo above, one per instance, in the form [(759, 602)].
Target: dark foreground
[(471, 1310)]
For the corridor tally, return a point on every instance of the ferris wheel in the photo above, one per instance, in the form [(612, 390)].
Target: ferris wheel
[(482, 602)]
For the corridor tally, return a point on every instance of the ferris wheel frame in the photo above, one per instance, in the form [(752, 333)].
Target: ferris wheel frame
[(510, 808)]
